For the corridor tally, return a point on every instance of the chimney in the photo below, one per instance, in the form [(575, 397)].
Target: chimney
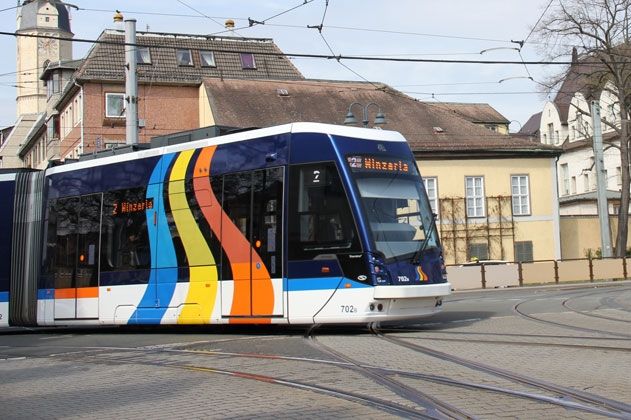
[(574, 56)]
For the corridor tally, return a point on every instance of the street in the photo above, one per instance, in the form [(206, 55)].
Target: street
[(546, 352)]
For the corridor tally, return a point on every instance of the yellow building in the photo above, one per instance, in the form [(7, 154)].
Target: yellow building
[(494, 207)]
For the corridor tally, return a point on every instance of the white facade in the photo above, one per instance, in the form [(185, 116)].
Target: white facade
[(575, 167)]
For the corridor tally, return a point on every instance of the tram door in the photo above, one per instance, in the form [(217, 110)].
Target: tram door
[(74, 226), (252, 243)]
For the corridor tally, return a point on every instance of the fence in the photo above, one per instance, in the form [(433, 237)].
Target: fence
[(493, 275)]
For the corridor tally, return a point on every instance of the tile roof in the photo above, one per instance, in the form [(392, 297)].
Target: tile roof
[(531, 128), (474, 112), (105, 61), (262, 103)]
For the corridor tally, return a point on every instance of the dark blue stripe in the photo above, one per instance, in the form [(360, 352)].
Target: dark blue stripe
[(4, 296)]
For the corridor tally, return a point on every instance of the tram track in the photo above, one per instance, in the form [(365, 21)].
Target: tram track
[(133, 357), (528, 343), (430, 403), (601, 332), (589, 402)]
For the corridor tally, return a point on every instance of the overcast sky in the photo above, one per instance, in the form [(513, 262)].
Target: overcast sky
[(429, 29)]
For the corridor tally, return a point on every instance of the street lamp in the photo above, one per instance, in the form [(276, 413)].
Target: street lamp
[(380, 118)]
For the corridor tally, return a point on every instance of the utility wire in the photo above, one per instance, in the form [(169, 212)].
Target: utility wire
[(306, 55), (201, 13)]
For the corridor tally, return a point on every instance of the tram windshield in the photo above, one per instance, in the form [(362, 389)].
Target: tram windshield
[(396, 206)]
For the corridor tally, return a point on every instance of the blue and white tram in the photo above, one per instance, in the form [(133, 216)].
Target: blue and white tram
[(296, 224)]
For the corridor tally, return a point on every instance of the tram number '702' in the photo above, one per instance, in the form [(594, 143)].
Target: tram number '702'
[(348, 309)]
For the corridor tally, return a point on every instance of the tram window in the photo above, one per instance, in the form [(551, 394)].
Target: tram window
[(88, 228), (124, 236), (267, 209), (63, 231), (320, 219)]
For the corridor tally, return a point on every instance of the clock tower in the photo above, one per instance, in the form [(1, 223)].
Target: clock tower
[(47, 18)]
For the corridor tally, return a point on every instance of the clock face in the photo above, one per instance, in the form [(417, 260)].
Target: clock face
[(47, 44)]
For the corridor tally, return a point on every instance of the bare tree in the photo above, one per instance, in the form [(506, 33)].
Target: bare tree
[(599, 30)]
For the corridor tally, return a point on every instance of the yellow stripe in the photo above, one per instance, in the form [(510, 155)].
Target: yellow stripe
[(202, 290)]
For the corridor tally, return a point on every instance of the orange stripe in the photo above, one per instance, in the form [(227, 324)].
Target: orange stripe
[(65, 293), (87, 292)]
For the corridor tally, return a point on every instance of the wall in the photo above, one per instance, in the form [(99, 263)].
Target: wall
[(165, 109), (540, 227), (580, 233)]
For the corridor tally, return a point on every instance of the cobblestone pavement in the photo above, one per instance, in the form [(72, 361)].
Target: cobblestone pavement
[(576, 342)]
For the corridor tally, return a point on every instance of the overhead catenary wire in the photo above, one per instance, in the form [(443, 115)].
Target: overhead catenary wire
[(309, 55)]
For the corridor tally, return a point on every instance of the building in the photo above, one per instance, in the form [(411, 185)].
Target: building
[(567, 122), (35, 18), (88, 114)]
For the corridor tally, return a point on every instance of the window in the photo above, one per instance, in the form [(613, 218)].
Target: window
[(474, 193), (619, 176), (565, 179), (479, 251), (431, 187), (73, 239), (115, 105), (247, 61), (207, 58), (551, 133), (143, 56), (53, 84), (124, 237), (585, 182), (523, 251), (320, 219), (573, 185), (520, 189), (184, 57)]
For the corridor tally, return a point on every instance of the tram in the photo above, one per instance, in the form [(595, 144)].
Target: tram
[(296, 224)]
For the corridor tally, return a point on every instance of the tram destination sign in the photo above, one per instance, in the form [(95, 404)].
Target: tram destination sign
[(380, 164)]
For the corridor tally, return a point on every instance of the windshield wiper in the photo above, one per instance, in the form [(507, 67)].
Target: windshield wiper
[(417, 255)]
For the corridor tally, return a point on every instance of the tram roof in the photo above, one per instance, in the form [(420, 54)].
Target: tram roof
[(298, 127)]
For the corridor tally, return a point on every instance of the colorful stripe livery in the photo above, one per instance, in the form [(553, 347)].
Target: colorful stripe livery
[(253, 291)]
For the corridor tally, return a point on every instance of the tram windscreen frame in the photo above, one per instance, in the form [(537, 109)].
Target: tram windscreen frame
[(395, 205)]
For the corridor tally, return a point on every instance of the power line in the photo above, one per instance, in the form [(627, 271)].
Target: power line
[(307, 55)]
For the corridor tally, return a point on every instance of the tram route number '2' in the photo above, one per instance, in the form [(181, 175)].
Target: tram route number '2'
[(348, 309)]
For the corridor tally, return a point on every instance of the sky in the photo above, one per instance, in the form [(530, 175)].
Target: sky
[(427, 29)]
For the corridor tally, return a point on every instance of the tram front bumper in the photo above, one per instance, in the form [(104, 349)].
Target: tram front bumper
[(412, 291)]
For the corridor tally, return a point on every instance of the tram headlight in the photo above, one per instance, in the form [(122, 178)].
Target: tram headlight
[(378, 270)]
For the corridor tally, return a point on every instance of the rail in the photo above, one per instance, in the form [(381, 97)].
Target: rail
[(495, 274)]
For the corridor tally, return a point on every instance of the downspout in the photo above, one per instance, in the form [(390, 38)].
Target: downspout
[(81, 143)]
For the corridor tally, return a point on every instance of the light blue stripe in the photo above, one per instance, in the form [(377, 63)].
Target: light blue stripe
[(43, 294), (322, 283), (162, 282)]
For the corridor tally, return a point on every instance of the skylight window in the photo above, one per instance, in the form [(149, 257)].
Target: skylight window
[(184, 57), (143, 56), (207, 58), (247, 61)]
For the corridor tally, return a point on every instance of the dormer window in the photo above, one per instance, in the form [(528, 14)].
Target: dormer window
[(143, 56), (53, 84), (207, 58), (184, 57), (247, 61)]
